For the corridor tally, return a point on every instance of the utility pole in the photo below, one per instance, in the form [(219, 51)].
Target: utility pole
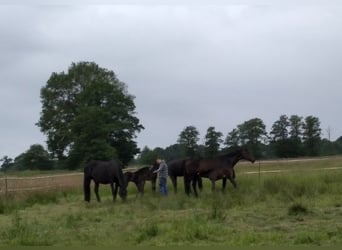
[(328, 132)]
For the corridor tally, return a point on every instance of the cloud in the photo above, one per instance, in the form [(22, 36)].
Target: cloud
[(202, 65)]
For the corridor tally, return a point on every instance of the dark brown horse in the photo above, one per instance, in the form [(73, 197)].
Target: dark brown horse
[(141, 175), (216, 168), (176, 168), (104, 172)]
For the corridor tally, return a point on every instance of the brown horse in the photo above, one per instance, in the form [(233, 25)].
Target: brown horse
[(141, 175), (104, 172), (176, 168), (219, 167)]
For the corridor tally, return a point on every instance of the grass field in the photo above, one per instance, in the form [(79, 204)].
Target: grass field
[(301, 207)]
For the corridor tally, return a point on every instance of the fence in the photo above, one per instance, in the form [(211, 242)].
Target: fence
[(74, 180), (20, 184), (11, 184)]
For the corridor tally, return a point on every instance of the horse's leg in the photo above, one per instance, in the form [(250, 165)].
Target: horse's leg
[(174, 182), (231, 177), (186, 184), (137, 185), (212, 185), (194, 183), (115, 194), (86, 189), (200, 184), (141, 188), (153, 182), (224, 182), (113, 190), (96, 190), (233, 182)]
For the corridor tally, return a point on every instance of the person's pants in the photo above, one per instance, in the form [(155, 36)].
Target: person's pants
[(162, 186)]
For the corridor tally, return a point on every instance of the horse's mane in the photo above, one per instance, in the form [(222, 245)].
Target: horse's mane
[(232, 153)]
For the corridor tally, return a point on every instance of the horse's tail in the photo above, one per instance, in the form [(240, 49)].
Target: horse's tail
[(86, 184)]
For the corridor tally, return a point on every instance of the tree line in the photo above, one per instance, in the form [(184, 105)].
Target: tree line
[(292, 136), (87, 113)]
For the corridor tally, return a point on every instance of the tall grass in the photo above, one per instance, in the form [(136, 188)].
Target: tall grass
[(291, 209)]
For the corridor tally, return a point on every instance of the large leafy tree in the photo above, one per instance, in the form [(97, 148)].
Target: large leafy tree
[(311, 135), (213, 140), (87, 113), (189, 138)]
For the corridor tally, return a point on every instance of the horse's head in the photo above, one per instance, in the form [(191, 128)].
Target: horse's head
[(155, 166), (128, 177), (123, 192), (245, 154)]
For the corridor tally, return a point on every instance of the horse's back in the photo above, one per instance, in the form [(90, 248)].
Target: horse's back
[(104, 172), (176, 167)]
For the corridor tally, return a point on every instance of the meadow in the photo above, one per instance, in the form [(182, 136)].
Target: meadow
[(300, 207)]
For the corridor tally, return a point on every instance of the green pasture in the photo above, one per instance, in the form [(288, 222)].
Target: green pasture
[(301, 207)]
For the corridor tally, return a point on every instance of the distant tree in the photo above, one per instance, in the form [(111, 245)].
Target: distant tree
[(7, 163), (311, 135), (253, 134), (175, 151), (189, 138), (296, 133), (233, 139), (279, 130), (88, 114), (279, 137), (35, 158), (296, 124), (327, 147), (338, 145), (212, 142), (147, 156)]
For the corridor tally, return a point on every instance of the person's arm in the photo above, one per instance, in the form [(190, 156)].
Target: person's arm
[(156, 171)]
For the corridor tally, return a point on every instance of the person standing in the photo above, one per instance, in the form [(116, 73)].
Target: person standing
[(162, 176)]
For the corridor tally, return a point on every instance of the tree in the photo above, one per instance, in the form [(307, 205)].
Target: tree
[(147, 156), (279, 130), (296, 132), (175, 151), (87, 113), (296, 124), (7, 163), (279, 136), (212, 142), (338, 145), (233, 139), (188, 138), (35, 158), (253, 133), (311, 135)]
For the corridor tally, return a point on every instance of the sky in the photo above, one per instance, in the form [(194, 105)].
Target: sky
[(186, 64)]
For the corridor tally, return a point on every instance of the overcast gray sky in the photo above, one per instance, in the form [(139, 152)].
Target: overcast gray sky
[(202, 65)]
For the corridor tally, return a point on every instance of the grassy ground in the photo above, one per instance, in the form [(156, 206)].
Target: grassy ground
[(299, 208)]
